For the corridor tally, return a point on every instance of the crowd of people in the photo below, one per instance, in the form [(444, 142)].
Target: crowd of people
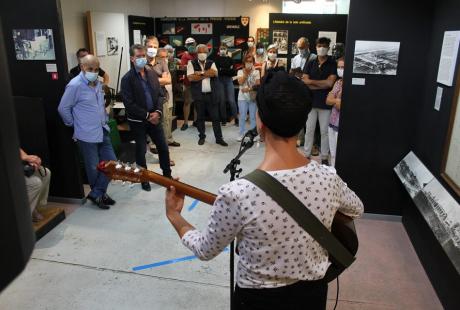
[(280, 265), (208, 88)]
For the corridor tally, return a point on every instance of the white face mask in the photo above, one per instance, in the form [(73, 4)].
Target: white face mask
[(152, 52), (202, 56), (322, 51), (272, 56), (249, 65), (250, 44), (340, 72)]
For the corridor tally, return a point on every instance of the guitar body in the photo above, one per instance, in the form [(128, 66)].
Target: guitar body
[(343, 227)]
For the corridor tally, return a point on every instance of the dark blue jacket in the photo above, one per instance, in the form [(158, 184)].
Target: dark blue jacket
[(133, 94)]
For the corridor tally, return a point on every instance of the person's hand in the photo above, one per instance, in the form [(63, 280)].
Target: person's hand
[(174, 201), (306, 80), (209, 73), (33, 160), (246, 90), (154, 118), (338, 103)]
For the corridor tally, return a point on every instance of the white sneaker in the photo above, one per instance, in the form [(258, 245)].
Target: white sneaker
[(240, 138)]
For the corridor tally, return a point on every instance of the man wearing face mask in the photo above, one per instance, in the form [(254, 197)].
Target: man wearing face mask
[(82, 107), (158, 63), (319, 75), (202, 73), (189, 55), (226, 72), (75, 71), (143, 100), (302, 58)]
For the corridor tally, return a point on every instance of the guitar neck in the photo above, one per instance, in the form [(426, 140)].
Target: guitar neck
[(186, 189)]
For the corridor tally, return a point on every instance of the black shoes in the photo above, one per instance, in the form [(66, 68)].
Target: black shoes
[(153, 150), (99, 201), (146, 186), (201, 141), (325, 162), (184, 127), (106, 199), (221, 142), (174, 143)]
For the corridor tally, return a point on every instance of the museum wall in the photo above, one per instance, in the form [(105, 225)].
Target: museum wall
[(378, 119), (428, 145), (111, 25), (74, 19), (29, 78), (257, 10)]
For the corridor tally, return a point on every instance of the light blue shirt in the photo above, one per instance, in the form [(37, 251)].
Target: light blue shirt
[(83, 108), (299, 61)]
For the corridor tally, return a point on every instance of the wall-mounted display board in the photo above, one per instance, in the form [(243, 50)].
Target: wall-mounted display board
[(439, 209), (140, 28), (286, 29), (212, 31), (451, 162)]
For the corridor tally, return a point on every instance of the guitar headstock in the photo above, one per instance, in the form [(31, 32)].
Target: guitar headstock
[(124, 172)]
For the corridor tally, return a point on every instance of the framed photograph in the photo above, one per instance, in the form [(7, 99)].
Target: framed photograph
[(168, 28), (294, 49), (34, 44), (228, 41), (450, 170), (280, 39), (112, 46), (176, 41), (376, 57), (201, 28)]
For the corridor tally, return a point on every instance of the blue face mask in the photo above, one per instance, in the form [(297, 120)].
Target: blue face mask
[(140, 62), (91, 76), (260, 51), (191, 49)]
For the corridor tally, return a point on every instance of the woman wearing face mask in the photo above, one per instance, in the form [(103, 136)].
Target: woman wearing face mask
[(260, 56), (251, 46), (272, 59), (248, 79), (334, 99)]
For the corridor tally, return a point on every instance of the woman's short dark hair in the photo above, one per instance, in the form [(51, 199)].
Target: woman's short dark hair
[(283, 103), (323, 40), (260, 45), (248, 57)]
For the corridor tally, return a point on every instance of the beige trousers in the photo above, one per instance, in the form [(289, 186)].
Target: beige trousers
[(37, 187)]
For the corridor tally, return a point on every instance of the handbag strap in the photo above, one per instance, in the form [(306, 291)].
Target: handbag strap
[(302, 215)]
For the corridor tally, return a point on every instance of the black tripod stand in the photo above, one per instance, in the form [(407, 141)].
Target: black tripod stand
[(235, 173)]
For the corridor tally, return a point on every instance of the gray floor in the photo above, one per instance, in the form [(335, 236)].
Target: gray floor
[(86, 262)]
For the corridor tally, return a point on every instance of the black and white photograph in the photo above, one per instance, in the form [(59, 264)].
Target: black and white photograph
[(280, 39), (169, 28), (442, 213), (413, 174), (376, 57), (34, 44), (112, 46), (294, 49)]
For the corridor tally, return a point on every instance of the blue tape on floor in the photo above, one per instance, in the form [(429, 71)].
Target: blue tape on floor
[(193, 205), (170, 261)]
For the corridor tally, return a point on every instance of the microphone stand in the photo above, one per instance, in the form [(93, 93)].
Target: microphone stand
[(235, 173)]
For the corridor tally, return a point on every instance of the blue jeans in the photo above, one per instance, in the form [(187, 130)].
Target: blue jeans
[(93, 153), (227, 96), (244, 106)]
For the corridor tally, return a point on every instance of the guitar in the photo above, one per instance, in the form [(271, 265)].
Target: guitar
[(343, 227)]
